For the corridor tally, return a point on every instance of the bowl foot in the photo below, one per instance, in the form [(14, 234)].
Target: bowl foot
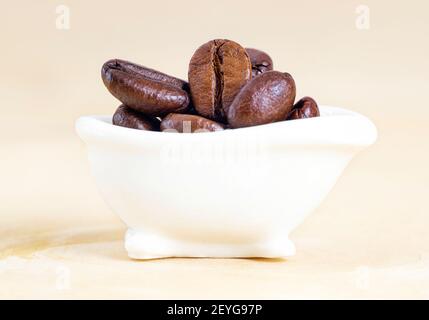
[(145, 245)]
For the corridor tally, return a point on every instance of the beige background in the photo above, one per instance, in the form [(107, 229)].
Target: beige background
[(369, 239)]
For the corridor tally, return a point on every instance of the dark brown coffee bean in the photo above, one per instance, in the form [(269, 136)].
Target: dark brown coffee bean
[(143, 89), (127, 117), (189, 123), (217, 72), (261, 61), (148, 73), (304, 108), (267, 98)]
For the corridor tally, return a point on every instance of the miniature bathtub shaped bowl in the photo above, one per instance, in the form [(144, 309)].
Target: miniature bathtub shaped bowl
[(232, 193)]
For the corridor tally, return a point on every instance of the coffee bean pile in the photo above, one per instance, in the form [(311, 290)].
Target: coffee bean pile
[(228, 87)]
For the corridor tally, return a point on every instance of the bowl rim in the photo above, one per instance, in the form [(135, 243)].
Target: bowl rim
[(335, 126)]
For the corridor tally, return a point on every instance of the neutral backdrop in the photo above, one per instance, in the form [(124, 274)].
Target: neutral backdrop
[(369, 239)]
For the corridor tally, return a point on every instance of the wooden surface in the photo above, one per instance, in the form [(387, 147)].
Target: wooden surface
[(369, 239)]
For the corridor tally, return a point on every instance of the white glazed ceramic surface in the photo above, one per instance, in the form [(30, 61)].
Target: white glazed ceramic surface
[(233, 193)]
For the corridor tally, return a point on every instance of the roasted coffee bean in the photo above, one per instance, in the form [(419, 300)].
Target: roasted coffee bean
[(304, 108), (127, 117), (267, 98), (261, 61), (143, 89), (177, 122), (217, 72)]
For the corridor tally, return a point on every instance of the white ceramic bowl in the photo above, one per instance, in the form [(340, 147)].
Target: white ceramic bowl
[(233, 193)]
